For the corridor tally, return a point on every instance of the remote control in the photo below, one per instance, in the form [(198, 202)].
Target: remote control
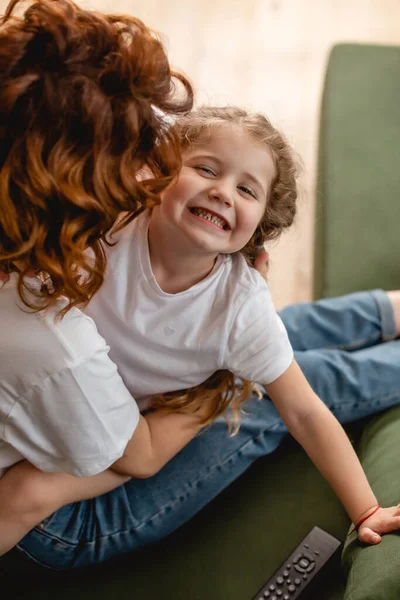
[(300, 568)]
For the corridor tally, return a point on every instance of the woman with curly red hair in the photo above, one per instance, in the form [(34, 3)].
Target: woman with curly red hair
[(83, 99)]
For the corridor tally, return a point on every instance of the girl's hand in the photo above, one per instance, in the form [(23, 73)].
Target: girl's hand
[(383, 521)]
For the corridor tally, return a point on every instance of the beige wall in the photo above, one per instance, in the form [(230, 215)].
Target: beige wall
[(269, 55)]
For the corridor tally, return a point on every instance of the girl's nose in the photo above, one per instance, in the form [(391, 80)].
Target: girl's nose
[(221, 193)]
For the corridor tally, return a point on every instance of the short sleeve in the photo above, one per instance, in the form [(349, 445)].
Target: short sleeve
[(78, 420), (258, 347)]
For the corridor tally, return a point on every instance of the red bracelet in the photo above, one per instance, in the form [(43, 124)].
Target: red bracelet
[(361, 521)]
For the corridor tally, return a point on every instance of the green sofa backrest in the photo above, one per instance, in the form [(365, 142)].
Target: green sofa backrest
[(358, 186)]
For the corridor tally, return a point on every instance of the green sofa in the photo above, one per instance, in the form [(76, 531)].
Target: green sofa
[(228, 550)]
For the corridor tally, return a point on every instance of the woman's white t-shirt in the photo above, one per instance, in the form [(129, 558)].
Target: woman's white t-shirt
[(164, 342), (63, 404)]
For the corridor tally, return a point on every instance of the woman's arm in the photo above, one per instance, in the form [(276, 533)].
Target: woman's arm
[(323, 438), (28, 495), (158, 437)]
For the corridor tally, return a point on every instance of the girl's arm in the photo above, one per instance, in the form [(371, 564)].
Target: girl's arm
[(323, 438)]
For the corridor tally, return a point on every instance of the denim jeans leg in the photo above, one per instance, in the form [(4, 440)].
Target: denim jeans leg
[(354, 384), (348, 322)]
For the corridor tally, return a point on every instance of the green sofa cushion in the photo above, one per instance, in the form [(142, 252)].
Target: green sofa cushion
[(374, 572), (358, 190)]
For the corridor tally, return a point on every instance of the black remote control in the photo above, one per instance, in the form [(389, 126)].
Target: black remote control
[(300, 568)]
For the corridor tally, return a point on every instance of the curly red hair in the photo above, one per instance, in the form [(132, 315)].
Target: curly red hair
[(83, 98)]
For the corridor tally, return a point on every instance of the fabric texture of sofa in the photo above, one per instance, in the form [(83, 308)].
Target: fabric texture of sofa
[(228, 550)]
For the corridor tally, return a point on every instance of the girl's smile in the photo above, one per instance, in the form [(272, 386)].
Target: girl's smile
[(212, 218)]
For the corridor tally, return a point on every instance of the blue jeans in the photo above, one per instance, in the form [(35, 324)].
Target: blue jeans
[(338, 345)]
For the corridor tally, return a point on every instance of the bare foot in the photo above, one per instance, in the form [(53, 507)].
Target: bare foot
[(394, 297)]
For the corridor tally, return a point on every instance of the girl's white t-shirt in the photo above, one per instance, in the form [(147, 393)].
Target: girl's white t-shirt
[(163, 342), (63, 404)]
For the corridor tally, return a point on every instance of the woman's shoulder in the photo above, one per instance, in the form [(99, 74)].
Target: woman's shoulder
[(37, 344)]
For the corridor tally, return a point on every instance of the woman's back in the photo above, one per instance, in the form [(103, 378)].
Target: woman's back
[(58, 389)]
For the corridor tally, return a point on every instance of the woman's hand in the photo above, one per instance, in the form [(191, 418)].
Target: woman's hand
[(261, 263), (4, 277), (383, 521)]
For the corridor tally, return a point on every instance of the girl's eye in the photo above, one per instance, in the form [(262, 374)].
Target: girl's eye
[(248, 191), (206, 170)]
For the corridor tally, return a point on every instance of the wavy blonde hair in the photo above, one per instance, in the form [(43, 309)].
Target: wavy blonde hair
[(222, 392), (79, 93)]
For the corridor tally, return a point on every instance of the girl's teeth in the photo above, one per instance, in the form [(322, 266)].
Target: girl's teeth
[(209, 217)]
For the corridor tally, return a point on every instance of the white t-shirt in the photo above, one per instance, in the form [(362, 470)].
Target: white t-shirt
[(63, 405), (163, 342)]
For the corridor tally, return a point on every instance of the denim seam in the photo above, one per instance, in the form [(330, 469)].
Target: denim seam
[(355, 345), (387, 326), (383, 399), (33, 559), (388, 323)]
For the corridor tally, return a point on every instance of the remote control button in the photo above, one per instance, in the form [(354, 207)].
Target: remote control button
[(316, 552), (297, 581), (297, 558), (286, 597), (279, 593), (305, 576), (272, 587), (285, 573), (304, 563), (291, 589), (288, 566), (267, 594), (299, 569), (311, 567), (306, 546), (280, 580), (288, 581), (274, 598)]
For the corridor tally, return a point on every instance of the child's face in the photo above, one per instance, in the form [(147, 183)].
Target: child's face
[(221, 193)]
